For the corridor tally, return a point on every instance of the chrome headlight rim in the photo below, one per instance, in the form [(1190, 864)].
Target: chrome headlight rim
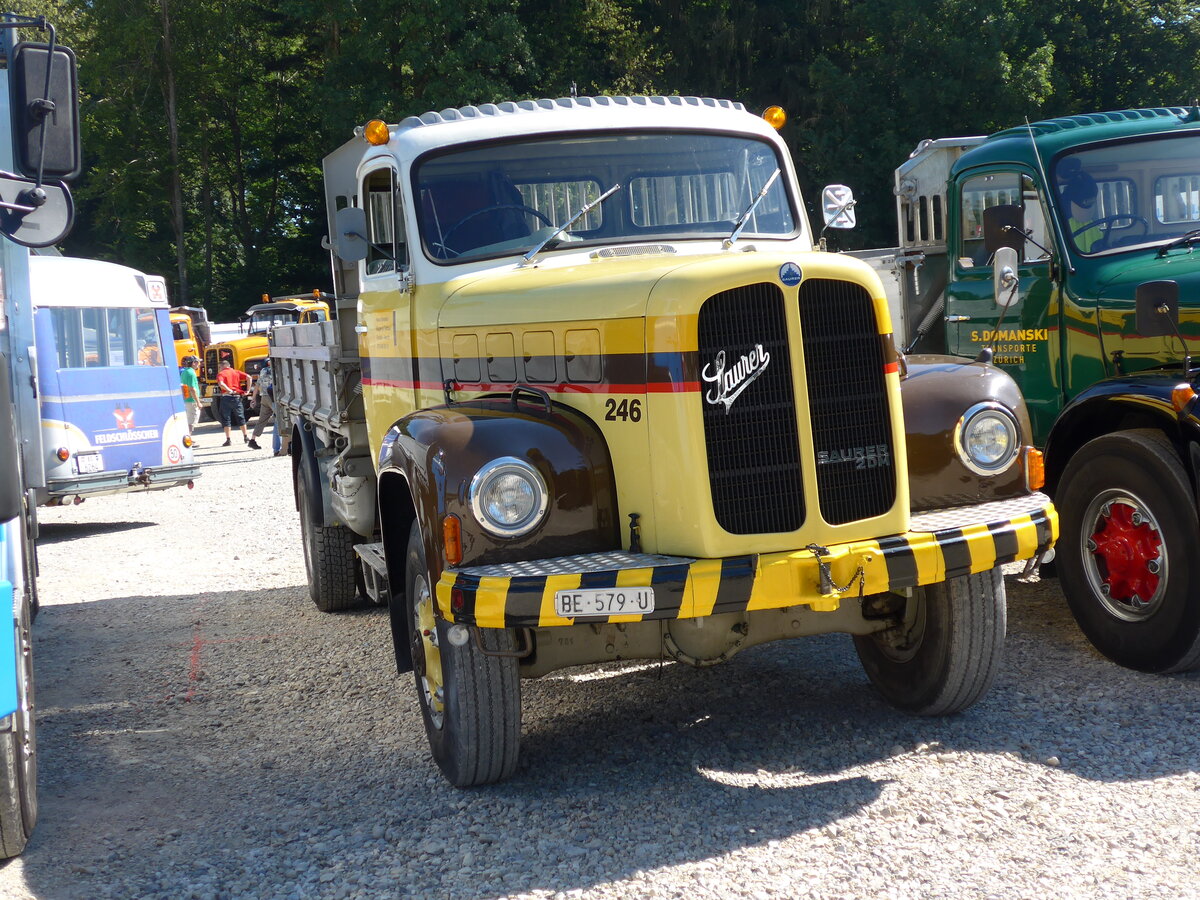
[(974, 414), (506, 465)]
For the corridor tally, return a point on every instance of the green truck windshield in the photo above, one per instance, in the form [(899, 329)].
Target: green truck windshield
[(504, 198), (1119, 196)]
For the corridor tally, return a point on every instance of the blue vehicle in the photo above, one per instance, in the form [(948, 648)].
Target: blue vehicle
[(112, 412), (18, 757), (39, 152)]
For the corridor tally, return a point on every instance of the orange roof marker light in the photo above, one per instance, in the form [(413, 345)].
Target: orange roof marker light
[(775, 116), (376, 132)]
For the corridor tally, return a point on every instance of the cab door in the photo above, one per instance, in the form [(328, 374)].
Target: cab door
[(1024, 335), (393, 372)]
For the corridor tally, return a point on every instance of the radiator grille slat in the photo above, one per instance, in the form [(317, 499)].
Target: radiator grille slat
[(847, 394), (752, 440)]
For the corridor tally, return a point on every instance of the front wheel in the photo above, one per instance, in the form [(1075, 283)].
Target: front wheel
[(470, 699), (1129, 553), (945, 654)]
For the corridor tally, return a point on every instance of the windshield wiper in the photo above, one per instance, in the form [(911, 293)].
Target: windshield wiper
[(584, 210), (745, 217), (1191, 237)]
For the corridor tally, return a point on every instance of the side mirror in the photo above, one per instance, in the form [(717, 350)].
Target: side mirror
[(34, 215), (351, 239), (1004, 276), (1156, 311), (45, 122), (837, 206), (1003, 226)]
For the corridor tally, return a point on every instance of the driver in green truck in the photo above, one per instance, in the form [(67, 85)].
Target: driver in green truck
[(1079, 192)]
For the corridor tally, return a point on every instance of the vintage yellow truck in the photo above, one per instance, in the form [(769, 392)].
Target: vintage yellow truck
[(591, 395), (247, 350)]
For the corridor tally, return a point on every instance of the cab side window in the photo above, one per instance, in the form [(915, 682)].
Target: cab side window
[(999, 189), (388, 249)]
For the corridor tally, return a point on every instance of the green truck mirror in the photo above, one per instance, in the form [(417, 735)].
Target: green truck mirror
[(1005, 280), (1156, 312), (44, 98), (1003, 226)]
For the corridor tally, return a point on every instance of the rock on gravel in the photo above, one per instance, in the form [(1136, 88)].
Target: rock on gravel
[(205, 732)]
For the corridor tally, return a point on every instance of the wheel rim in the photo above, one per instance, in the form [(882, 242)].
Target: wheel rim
[(1124, 555), (427, 658), (901, 643)]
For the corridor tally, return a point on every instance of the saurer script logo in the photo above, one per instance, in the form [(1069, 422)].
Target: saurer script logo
[(871, 457), (729, 383)]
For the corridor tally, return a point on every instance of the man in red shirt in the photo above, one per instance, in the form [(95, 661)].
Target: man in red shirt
[(232, 385)]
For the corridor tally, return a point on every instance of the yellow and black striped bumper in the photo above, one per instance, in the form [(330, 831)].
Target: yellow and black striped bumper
[(941, 544)]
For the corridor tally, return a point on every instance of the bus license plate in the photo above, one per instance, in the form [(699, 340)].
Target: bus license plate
[(634, 601), (89, 463)]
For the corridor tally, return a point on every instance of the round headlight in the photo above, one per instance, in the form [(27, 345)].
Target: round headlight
[(508, 497), (987, 439)]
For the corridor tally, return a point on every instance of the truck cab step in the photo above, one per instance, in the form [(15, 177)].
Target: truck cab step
[(374, 570)]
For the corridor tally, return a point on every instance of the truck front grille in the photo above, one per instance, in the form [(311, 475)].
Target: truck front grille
[(750, 411), (847, 396), (210, 365)]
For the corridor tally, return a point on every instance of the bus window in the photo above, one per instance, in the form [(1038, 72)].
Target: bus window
[(68, 337), (92, 337), (95, 338), (149, 353)]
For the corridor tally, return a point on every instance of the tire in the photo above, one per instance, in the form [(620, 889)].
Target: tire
[(470, 701), (946, 655), (18, 751), (329, 556), (1135, 591)]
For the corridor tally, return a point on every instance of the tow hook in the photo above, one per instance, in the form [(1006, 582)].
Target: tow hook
[(828, 588), (1030, 574)]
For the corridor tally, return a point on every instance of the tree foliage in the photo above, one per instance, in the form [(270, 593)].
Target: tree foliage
[(205, 121)]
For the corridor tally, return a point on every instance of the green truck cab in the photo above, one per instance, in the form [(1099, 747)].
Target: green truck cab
[(1064, 252)]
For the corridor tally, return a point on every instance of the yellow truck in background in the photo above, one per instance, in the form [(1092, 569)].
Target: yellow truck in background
[(248, 351), (191, 332)]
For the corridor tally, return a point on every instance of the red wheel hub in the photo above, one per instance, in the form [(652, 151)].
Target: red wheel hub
[(1128, 548)]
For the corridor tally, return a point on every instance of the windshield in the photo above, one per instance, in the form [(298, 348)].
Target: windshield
[(265, 321), (1127, 195), (503, 199)]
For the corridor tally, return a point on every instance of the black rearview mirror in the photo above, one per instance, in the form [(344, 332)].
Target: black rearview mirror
[(44, 97), (1004, 226), (1157, 308)]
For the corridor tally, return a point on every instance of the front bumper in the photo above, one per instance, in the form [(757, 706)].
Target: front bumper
[(941, 544)]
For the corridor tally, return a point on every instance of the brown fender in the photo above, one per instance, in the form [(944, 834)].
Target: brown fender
[(439, 450), (937, 392)]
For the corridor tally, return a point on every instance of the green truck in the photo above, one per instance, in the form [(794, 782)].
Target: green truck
[(1064, 251)]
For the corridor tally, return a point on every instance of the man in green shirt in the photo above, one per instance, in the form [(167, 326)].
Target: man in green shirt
[(191, 390)]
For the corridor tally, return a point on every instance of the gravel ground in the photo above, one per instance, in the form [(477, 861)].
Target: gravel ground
[(204, 732)]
